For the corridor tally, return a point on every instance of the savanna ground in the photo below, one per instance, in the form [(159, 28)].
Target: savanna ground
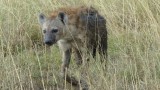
[(134, 47)]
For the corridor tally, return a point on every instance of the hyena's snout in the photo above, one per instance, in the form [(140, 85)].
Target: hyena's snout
[(48, 42), (50, 39)]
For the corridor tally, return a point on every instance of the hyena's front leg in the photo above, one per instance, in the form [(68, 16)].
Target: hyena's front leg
[(65, 48), (65, 65), (66, 55), (78, 56)]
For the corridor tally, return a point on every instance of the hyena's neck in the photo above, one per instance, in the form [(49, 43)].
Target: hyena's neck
[(71, 33)]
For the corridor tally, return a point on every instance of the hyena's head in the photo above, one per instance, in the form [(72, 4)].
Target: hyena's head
[(53, 28)]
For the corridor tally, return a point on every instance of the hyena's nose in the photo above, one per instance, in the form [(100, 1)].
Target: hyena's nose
[(48, 42)]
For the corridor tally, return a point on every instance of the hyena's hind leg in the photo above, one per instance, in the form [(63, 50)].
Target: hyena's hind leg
[(93, 47), (103, 47), (102, 36)]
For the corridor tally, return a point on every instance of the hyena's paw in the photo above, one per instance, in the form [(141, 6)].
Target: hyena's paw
[(83, 85)]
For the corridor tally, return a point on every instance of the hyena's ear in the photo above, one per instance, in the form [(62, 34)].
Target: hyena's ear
[(42, 18), (63, 17)]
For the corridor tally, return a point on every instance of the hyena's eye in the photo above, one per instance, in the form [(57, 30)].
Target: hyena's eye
[(44, 31), (54, 30)]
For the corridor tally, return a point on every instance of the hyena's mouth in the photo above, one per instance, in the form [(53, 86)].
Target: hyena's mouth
[(49, 43)]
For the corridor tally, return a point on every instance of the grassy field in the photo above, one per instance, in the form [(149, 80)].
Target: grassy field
[(134, 47)]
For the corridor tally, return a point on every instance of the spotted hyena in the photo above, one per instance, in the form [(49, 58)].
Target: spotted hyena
[(79, 30)]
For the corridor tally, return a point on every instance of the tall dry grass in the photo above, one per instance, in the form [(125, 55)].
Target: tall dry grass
[(134, 46)]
